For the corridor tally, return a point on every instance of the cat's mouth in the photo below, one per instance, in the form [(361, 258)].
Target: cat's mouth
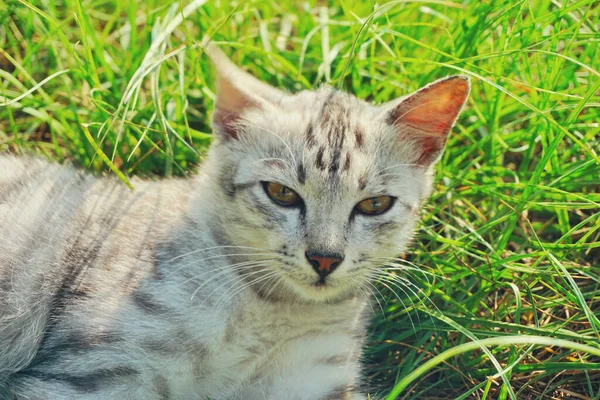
[(320, 283), (317, 288)]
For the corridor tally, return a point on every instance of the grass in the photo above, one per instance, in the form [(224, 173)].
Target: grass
[(510, 240)]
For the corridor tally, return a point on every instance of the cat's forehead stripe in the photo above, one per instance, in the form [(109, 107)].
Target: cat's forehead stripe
[(333, 129), (319, 160), (301, 172), (310, 137), (358, 137), (362, 182), (347, 162)]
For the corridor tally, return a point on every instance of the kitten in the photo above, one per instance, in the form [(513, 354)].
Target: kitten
[(245, 282)]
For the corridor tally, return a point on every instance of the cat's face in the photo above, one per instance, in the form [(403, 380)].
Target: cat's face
[(329, 186)]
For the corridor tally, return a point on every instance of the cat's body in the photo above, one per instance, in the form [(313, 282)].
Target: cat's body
[(112, 317), (217, 286)]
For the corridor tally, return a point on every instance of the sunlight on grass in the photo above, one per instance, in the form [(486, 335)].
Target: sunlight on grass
[(508, 254)]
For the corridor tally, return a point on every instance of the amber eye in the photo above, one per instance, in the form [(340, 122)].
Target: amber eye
[(375, 205), (282, 195)]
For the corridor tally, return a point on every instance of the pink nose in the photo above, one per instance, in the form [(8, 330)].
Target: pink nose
[(324, 264)]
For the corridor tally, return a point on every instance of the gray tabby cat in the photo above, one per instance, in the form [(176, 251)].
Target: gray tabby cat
[(247, 281)]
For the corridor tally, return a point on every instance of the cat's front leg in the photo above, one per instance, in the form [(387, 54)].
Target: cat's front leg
[(310, 382), (324, 367), (63, 387), (316, 383), (306, 391)]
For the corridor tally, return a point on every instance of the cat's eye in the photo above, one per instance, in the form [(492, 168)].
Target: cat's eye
[(282, 195), (375, 205)]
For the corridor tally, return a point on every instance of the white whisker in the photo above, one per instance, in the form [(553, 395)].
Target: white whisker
[(289, 149), (233, 279), (213, 248), (398, 298), (200, 260), (224, 269)]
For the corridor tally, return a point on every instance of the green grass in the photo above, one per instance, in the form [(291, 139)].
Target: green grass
[(511, 236)]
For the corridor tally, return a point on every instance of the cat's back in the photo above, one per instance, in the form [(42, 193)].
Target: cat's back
[(37, 202), (67, 237), (43, 203), (19, 173)]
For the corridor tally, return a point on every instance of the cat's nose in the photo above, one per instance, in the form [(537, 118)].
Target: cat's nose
[(324, 264)]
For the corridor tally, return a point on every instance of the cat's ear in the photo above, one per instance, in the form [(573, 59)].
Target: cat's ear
[(237, 92), (426, 116)]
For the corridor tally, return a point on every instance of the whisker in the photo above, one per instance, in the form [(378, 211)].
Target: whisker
[(361, 287), (400, 267), (226, 268), (408, 284), (197, 261), (247, 285), (367, 284), (397, 259), (400, 300), (271, 159), (232, 279), (278, 281), (397, 174), (224, 271), (289, 149), (213, 248), (400, 264), (395, 166), (406, 272)]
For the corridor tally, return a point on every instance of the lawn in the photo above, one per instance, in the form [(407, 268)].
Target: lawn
[(508, 251)]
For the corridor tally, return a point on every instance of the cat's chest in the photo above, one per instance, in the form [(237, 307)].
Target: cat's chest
[(256, 334), (262, 328), (253, 338)]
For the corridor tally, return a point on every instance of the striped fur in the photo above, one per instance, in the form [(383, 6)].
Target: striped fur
[(199, 288)]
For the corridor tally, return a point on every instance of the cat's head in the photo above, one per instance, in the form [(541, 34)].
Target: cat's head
[(327, 185)]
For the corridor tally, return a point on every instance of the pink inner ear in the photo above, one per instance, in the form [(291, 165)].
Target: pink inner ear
[(231, 103), (433, 110), (226, 123), (427, 116)]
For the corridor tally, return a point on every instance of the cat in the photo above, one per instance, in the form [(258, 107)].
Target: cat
[(247, 281)]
